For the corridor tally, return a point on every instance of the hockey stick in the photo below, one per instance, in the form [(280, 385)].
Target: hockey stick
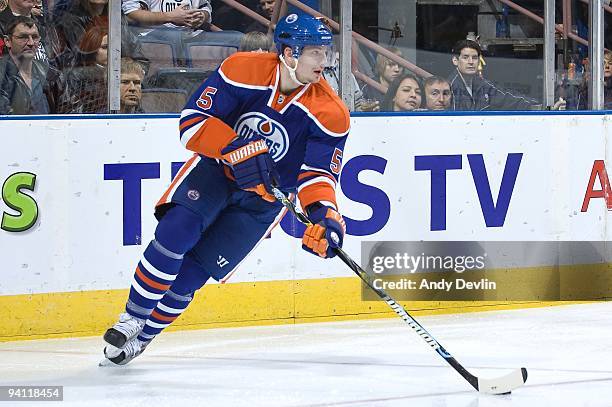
[(500, 385)]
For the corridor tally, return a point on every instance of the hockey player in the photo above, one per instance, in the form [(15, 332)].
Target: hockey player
[(259, 120)]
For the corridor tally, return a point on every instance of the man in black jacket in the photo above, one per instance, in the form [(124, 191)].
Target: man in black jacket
[(23, 80), (472, 92)]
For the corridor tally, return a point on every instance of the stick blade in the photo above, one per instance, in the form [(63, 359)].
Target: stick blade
[(504, 384)]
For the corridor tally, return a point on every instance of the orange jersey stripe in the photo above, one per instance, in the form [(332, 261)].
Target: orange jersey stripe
[(212, 137), (176, 179), (190, 122), (307, 174), (150, 282), (319, 191), (161, 317)]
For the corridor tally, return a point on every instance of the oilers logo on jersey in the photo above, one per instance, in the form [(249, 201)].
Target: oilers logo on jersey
[(169, 5), (258, 125)]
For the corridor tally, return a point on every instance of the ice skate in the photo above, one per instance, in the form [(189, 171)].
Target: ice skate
[(122, 356), (123, 331)]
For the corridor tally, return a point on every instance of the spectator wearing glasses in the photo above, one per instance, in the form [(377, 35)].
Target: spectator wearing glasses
[(26, 8), (23, 84)]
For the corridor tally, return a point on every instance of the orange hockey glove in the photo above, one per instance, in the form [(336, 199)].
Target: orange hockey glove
[(317, 238)]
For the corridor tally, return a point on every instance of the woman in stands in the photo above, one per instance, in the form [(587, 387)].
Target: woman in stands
[(86, 83), (404, 94)]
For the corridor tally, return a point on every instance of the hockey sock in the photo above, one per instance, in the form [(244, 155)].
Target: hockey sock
[(167, 310), (177, 232), (190, 278)]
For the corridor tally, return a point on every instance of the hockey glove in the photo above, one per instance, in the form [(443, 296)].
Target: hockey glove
[(317, 238), (252, 166)]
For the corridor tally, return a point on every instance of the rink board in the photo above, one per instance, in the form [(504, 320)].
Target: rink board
[(70, 251)]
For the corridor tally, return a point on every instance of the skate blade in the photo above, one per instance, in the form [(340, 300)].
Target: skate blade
[(107, 363)]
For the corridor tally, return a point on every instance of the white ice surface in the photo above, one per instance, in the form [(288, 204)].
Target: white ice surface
[(365, 363)]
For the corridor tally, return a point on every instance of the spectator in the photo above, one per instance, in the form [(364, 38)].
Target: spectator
[(404, 94), (228, 18), (173, 21), (255, 41), (438, 94), (472, 92), (582, 99), (387, 71), (37, 10), (23, 84), (265, 8), (192, 14), (132, 75), (73, 24), (84, 14), (332, 76), (86, 82), (93, 49), (26, 8)]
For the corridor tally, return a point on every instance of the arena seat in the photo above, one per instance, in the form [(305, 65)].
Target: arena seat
[(158, 100), (187, 79), (212, 48), (161, 54)]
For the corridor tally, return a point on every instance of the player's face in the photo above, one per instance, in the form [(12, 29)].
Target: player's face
[(408, 96), (311, 63), (102, 54), (131, 89), (438, 96), (23, 43), (467, 62)]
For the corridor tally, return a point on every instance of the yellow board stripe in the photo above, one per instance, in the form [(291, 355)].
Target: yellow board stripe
[(90, 313)]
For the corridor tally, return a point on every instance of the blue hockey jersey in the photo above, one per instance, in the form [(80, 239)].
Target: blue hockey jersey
[(305, 131)]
